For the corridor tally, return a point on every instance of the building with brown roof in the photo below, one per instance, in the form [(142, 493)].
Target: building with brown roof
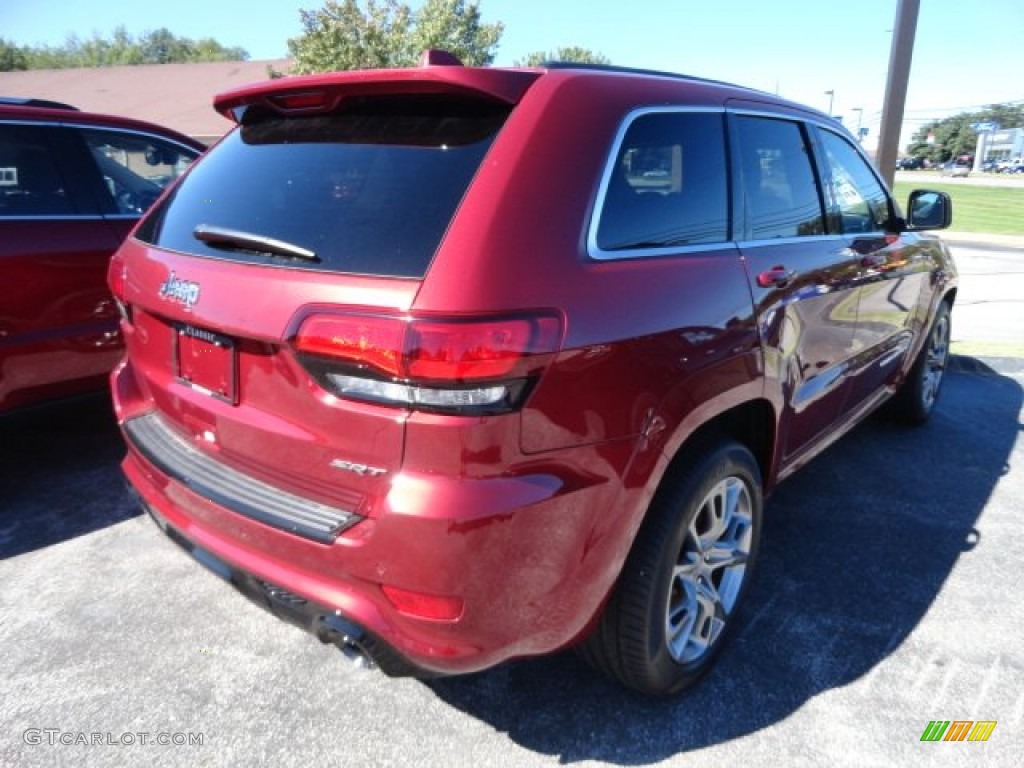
[(179, 96)]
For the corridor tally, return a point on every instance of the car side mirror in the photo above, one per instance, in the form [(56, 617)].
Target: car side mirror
[(927, 209)]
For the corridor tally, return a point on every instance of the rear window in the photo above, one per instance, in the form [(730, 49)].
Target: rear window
[(369, 189)]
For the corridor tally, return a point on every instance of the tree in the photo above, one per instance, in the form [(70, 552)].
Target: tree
[(458, 29), (161, 47), (955, 136), (387, 33), (156, 47), (12, 58), (572, 53)]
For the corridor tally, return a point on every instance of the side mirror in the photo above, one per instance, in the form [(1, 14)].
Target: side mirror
[(927, 209)]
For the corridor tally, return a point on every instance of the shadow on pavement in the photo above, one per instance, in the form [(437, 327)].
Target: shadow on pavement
[(857, 546), (59, 474)]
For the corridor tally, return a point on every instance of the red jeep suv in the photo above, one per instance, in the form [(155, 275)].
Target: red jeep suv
[(72, 184), (455, 365)]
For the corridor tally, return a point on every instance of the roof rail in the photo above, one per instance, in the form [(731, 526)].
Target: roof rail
[(19, 101), (615, 69)]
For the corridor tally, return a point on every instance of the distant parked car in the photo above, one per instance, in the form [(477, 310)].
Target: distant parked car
[(910, 164), (72, 185), (956, 170)]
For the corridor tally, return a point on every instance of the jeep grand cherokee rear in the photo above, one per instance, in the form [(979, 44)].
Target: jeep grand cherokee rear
[(457, 365)]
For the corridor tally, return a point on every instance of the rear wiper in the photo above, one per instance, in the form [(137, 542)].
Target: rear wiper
[(233, 239)]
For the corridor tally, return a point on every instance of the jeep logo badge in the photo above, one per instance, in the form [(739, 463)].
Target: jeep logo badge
[(183, 291)]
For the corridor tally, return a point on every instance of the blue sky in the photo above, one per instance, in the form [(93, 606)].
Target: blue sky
[(966, 55)]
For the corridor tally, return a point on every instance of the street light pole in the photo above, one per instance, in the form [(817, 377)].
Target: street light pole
[(860, 117), (831, 95)]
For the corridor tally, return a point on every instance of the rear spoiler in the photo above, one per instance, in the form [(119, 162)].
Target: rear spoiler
[(311, 94)]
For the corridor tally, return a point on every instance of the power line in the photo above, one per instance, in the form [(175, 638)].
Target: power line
[(969, 107)]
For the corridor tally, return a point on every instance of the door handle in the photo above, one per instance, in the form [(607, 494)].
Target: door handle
[(776, 277)]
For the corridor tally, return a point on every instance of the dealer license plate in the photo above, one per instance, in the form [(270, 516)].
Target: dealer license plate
[(207, 362)]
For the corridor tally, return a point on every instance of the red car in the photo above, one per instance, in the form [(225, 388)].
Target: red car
[(72, 185), (454, 365)]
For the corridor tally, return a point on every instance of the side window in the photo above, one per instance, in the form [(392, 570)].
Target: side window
[(31, 183), (780, 190), (860, 199), (135, 167), (668, 185)]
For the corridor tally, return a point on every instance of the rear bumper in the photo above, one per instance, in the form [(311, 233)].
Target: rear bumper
[(530, 557), (327, 625), (180, 461)]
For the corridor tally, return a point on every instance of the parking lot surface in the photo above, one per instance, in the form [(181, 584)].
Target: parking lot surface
[(888, 596)]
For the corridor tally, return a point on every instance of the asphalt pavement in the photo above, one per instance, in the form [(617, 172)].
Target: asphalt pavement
[(988, 319), (888, 596)]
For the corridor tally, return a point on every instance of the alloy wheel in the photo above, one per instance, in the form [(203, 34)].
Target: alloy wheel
[(936, 357), (710, 570)]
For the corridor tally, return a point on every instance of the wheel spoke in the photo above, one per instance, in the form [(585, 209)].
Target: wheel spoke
[(719, 507), (693, 541), (703, 621), (680, 630), (709, 632), (683, 574), (726, 557), (683, 611), (707, 596)]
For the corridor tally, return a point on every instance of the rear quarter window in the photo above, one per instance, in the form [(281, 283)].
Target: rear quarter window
[(667, 186), (369, 189)]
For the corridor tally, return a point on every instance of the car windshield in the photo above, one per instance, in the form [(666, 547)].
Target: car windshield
[(369, 189)]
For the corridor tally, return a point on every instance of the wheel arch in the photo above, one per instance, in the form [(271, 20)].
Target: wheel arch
[(613, 641), (752, 423)]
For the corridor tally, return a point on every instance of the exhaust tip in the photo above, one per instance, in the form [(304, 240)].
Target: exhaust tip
[(348, 637)]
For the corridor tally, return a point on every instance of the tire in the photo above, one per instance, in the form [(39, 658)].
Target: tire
[(915, 400), (676, 600)]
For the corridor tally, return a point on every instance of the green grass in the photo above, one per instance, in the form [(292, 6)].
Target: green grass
[(995, 210), (972, 348)]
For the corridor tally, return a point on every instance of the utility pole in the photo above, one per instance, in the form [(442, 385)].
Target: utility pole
[(831, 95), (896, 88)]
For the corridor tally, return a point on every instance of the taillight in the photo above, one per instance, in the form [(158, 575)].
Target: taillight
[(460, 365), (461, 351), (116, 276), (375, 342)]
